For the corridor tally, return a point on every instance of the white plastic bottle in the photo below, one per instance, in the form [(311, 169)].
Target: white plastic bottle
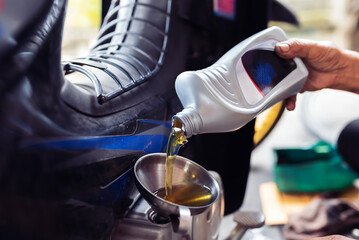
[(241, 84)]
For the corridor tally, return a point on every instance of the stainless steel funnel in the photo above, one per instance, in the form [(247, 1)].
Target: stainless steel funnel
[(150, 176)]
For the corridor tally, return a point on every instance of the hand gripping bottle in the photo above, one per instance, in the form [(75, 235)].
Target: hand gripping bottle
[(244, 82)]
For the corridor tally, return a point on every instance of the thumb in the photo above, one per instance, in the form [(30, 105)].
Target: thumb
[(297, 48)]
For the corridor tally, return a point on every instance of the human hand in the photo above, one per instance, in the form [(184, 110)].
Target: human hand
[(328, 66), (331, 237)]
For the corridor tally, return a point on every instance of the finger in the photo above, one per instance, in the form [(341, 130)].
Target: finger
[(290, 102), (299, 48)]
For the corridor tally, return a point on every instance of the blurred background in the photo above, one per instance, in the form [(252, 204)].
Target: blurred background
[(83, 20)]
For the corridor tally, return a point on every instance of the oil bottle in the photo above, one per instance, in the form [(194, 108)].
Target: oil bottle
[(245, 81)]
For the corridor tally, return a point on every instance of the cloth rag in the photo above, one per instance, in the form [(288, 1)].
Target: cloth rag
[(322, 217)]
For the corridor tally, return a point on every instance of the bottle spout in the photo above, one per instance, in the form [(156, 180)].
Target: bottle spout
[(190, 120)]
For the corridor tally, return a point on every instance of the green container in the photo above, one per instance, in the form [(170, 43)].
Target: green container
[(316, 169)]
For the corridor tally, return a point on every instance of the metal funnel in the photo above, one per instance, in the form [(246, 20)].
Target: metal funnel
[(150, 176)]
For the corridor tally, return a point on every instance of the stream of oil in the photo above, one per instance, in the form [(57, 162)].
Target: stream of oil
[(175, 142), (187, 194)]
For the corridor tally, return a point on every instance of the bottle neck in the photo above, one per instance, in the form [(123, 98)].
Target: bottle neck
[(191, 121)]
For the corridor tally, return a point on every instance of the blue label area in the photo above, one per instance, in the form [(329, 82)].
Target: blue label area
[(266, 69), (264, 74)]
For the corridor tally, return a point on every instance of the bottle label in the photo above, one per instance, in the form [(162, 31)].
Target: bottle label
[(260, 70)]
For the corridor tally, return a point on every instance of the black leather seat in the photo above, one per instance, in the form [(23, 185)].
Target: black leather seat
[(140, 50)]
